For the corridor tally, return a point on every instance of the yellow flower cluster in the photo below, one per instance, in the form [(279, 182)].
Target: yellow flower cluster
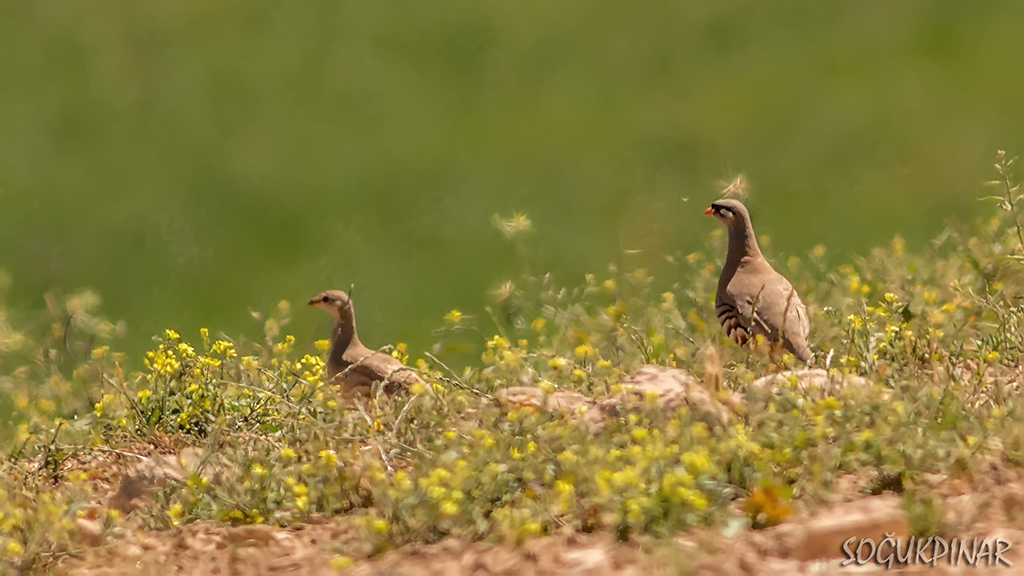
[(440, 486), (299, 493), (453, 318), (311, 368), (162, 362), (24, 513), (285, 347)]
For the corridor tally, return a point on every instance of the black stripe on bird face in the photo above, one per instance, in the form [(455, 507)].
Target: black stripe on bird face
[(721, 211)]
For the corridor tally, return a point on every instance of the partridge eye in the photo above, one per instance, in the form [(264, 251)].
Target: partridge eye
[(325, 299)]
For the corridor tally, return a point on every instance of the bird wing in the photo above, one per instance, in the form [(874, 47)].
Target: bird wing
[(773, 308), (355, 375), (734, 316), (368, 366)]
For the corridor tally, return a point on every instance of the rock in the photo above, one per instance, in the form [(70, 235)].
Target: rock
[(493, 560), (251, 534), (822, 535), (130, 551), (152, 472), (133, 485), (780, 566), (573, 405), (194, 460), (815, 378), (590, 561), (559, 400), (89, 532), (289, 565), (849, 487), (670, 389), (1012, 501), (966, 509), (738, 559), (190, 459)]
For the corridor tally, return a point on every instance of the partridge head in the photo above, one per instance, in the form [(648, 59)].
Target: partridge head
[(351, 364), (752, 298)]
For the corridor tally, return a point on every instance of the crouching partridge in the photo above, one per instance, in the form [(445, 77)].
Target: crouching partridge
[(352, 365), (752, 298)]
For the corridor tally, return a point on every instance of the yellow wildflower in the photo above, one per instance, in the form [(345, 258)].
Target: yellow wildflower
[(854, 282), (497, 342), (668, 300), (174, 513), (20, 400), (379, 525), (696, 462), (897, 246), (341, 562), (692, 497), (585, 351), (829, 403), (329, 457)]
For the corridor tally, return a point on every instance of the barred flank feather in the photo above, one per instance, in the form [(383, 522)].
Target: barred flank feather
[(730, 320)]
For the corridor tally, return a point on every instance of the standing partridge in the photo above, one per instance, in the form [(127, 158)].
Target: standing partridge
[(352, 365), (752, 298)]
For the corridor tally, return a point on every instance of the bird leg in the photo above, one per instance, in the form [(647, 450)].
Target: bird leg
[(775, 356)]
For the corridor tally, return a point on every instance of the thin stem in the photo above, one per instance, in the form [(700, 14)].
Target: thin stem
[(1004, 171)]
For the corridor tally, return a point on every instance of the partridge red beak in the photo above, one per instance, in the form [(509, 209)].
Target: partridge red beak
[(709, 212)]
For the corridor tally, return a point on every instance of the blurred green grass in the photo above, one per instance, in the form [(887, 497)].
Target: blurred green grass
[(189, 160)]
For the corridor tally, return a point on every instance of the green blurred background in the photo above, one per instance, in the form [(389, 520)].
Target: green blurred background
[(191, 160)]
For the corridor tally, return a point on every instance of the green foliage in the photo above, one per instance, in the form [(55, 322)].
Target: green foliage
[(186, 161)]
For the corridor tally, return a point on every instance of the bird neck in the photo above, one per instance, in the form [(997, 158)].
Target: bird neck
[(342, 338), (742, 244)]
